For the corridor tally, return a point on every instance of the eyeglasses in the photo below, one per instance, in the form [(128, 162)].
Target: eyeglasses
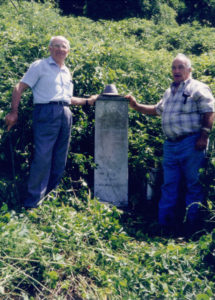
[(58, 46), (179, 67)]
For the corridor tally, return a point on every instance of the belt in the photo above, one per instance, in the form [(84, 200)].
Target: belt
[(179, 138), (63, 103)]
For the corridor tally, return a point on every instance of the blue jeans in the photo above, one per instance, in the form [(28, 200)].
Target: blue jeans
[(52, 129), (181, 159)]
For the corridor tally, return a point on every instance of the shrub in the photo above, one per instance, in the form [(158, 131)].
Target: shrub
[(135, 54)]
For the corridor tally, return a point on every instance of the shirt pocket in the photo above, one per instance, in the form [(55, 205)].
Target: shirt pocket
[(189, 105)]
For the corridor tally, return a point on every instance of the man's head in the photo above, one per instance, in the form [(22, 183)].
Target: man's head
[(59, 48), (181, 68)]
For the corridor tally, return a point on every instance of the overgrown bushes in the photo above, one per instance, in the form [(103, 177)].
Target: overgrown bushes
[(166, 11), (134, 54)]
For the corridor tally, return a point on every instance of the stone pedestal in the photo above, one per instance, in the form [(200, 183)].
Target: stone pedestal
[(111, 150)]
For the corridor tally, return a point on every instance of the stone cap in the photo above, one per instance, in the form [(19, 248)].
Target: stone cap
[(110, 90)]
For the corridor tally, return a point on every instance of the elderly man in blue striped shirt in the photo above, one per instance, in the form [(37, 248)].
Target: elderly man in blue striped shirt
[(52, 87), (187, 110)]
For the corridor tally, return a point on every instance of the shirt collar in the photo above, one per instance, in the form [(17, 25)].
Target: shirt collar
[(51, 61), (181, 86)]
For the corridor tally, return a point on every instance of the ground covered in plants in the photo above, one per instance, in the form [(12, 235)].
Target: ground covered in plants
[(85, 250)]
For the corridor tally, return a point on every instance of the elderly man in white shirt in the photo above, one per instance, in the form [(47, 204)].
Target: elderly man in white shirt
[(52, 87)]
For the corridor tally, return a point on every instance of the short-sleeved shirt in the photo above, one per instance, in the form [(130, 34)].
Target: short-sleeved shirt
[(182, 111), (48, 81)]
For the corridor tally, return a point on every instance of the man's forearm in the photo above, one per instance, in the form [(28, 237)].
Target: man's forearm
[(208, 120), (143, 108), (78, 101), (84, 101), (16, 95), (146, 109), (207, 124)]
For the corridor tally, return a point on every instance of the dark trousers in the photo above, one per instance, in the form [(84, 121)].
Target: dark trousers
[(52, 130)]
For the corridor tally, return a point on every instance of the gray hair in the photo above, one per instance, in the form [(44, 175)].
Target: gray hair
[(61, 38), (184, 58)]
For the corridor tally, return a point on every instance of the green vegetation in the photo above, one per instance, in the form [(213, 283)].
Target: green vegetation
[(183, 11), (73, 246), (81, 251)]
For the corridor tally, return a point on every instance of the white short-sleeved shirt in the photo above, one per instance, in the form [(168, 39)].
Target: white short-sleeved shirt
[(48, 81)]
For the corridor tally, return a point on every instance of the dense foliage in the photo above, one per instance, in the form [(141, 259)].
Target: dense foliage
[(135, 54), (183, 11), (43, 253)]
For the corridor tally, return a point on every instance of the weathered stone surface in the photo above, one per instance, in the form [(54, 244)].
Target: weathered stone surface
[(111, 150)]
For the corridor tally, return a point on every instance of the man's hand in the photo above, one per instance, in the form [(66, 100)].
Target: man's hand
[(132, 101), (11, 119), (144, 109), (92, 99)]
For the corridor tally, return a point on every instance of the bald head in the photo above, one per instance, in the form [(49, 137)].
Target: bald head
[(61, 38), (181, 68)]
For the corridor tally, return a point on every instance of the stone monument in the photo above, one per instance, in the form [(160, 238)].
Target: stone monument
[(111, 148)]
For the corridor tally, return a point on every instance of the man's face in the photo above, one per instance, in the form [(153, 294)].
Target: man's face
[(180, 71), (59, 50)]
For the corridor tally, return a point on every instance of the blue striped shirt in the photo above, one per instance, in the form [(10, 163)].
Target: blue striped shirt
[(182, 110)]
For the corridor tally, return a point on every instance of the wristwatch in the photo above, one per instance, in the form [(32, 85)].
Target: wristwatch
[(206, 129)]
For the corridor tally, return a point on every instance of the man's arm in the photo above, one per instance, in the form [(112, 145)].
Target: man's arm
[(207, 124), (84, 101), (144, 109), (12, 118)]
